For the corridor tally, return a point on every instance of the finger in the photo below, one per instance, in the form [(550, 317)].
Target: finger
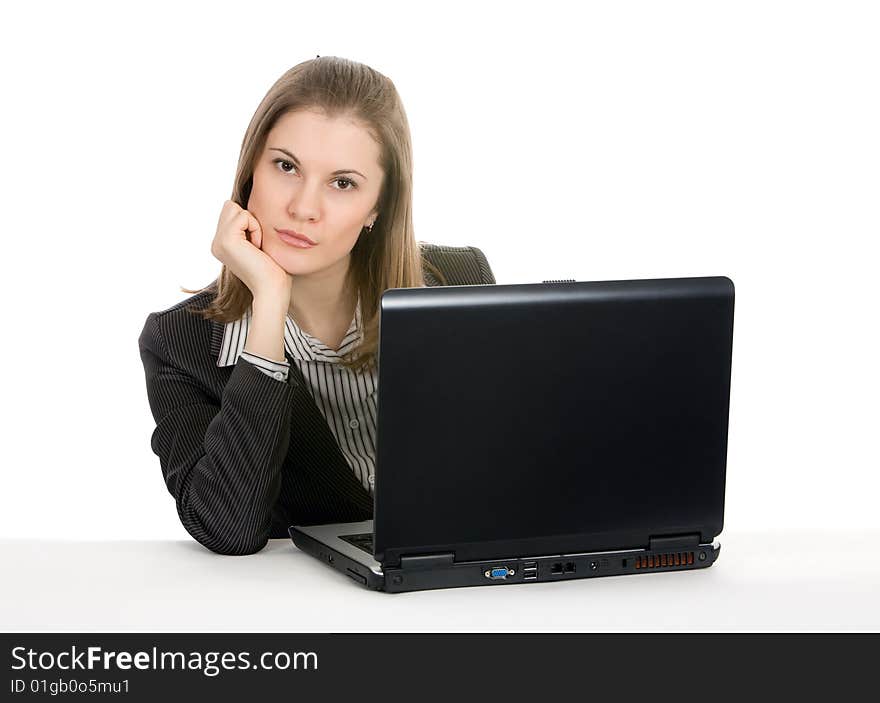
[(256, 232), (230, 211), (242, 221), (224, 215)]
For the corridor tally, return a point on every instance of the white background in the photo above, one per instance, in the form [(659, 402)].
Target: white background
[(567, 140)]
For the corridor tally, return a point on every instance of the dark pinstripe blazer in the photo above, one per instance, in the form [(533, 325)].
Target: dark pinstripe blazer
[(243, 454)]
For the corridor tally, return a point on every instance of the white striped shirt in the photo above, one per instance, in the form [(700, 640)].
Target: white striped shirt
[(346, 399)]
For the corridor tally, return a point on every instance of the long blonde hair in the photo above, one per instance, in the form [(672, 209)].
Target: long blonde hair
[(386, 257)]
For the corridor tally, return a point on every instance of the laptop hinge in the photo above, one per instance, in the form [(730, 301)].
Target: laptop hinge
[(426, 561), (668, 542)]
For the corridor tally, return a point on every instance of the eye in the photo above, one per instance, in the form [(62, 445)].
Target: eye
[(282, 162), (349, 184)]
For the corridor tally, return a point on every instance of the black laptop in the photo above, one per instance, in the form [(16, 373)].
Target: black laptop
[(543, 432)]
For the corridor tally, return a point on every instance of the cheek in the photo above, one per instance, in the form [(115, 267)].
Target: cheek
[(252, 204), (254, 197), (261, 193), (350, 236)]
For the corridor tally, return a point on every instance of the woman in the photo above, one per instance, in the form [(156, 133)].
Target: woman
[(263, 385)]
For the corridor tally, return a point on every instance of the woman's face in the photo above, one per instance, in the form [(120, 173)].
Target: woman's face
[(319, 177)]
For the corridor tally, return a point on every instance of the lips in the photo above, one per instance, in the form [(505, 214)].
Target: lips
[(296, 235)]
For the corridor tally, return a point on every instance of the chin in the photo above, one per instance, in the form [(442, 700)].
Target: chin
[(295, 268)]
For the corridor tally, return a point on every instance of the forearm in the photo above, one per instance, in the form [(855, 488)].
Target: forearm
[(266, 329), (221, 458), (225, 499)]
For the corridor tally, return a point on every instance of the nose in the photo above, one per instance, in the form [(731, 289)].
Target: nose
[(304, 202)]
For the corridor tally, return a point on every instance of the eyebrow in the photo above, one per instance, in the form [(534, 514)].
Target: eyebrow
[(335, 173)]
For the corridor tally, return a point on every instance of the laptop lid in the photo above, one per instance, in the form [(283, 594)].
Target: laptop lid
[(551, 417)]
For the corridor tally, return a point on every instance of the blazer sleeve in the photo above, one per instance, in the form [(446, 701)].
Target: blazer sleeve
[(221, 462)]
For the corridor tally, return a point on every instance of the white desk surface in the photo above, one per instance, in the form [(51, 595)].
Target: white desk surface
[(762, 581)]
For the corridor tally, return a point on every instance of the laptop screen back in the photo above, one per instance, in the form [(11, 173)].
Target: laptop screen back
[(588, 415)]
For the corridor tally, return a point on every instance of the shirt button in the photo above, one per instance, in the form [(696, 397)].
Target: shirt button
[(278, 375), (354, 424), (372, 479)]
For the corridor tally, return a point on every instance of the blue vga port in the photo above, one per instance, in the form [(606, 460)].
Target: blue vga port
[(498, 572)]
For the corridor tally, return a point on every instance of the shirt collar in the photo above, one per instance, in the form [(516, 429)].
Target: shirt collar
[(297, 343)]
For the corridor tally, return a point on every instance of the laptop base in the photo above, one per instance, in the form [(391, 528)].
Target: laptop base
[(441, 571), (559, 567)]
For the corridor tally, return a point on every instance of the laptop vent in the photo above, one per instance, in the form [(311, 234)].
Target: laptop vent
[(658, 561)]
